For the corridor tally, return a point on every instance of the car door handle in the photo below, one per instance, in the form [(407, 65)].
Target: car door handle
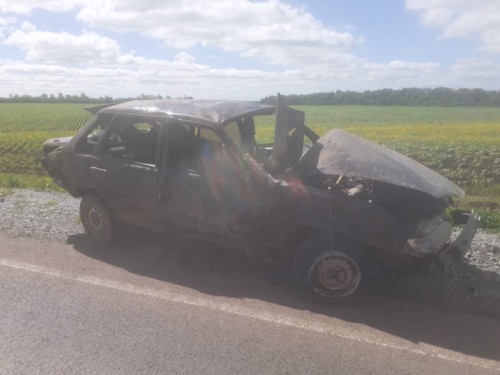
[(99, 170), (142, 167)]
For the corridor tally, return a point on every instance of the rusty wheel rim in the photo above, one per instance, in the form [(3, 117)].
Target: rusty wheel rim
[(96, 220), (334, 274)]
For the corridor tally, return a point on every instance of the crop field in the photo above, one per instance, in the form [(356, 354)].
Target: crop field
[(24, 127), (462, 143)]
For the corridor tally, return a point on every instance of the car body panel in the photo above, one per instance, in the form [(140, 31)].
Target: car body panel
[(249, 197)]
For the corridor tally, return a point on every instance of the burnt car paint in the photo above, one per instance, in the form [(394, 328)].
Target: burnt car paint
[(266, 198)]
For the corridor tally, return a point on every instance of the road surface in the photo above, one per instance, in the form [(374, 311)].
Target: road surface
[(151, 306)]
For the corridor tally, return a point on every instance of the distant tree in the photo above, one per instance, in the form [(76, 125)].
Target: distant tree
[(439, 96)]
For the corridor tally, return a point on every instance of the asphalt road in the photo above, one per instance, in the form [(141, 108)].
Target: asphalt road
[(151, 306)]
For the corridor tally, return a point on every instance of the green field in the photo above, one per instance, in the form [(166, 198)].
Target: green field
[(23, 129), (461, 143)]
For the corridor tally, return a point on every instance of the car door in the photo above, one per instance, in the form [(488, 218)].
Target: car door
[(204, 188), (84, 152), (124, 171)]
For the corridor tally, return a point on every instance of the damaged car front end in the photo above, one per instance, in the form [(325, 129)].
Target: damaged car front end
[(414, 195), (51, 161), (331, 206)]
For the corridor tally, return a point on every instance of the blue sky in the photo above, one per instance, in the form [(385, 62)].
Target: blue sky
[(241, 49)]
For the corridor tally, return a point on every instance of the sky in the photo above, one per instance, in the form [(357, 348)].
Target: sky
[(245, 50)]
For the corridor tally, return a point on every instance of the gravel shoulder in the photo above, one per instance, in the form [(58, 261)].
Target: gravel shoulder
[(470, 285)]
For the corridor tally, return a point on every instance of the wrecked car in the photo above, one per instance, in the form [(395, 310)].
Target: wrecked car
[(333, 207)]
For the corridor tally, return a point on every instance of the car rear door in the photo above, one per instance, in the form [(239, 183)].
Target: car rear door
[(203, 189)]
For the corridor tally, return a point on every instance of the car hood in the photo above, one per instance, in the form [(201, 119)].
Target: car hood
[(341, 153)]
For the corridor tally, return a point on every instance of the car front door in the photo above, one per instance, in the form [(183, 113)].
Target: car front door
[(125, 171)]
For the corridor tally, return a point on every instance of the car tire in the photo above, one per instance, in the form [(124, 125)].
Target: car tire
[(328, 271), (96, 219)]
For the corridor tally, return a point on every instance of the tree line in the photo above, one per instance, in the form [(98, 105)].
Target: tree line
[(82, 98), (440, 96)]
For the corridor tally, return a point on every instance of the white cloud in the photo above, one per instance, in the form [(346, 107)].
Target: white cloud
[(300, 54), (183, 56), (475, 73), (400, 74), (462, 18), (27, 6), (5, 24), (63, 48), (27, 27), (5, 21), (272, 31), (132, 75)]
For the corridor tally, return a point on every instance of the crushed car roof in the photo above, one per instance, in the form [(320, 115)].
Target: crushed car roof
[(218, 112)]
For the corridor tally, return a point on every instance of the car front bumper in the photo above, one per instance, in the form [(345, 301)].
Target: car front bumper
[(462, 243), (436, 240)]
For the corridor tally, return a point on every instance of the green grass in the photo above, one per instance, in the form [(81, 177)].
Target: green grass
[(4, 191), (490, 220), (354, 116), (42, 117), (9, 181), (25, 126)]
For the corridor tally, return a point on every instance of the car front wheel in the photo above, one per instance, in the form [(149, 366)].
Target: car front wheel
[(96, 219), (330, 271)]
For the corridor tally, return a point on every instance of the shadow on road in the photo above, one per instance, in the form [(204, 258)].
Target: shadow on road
[(388, 306)]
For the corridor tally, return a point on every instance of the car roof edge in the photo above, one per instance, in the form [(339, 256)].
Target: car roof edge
[(97, 108)]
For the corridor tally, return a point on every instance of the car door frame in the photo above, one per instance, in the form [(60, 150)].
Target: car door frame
[(238, 229), (129, 187)]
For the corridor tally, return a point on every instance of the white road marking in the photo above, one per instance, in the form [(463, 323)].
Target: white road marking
[(210, 303)]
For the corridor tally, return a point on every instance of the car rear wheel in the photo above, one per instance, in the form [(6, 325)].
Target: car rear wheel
[(328, 271), (96, 219)]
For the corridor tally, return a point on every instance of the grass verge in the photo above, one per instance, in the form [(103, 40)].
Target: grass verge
[(9, 181)]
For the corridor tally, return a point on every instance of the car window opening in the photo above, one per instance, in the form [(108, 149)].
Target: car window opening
[(190, 143), (133, 141)]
